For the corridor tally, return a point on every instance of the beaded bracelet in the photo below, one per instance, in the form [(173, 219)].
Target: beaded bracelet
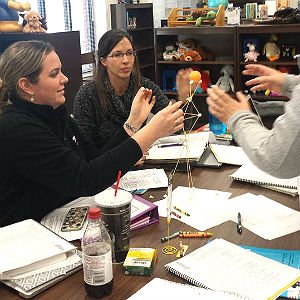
[(130, 127)]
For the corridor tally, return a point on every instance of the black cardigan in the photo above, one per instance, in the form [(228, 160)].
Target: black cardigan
[(45, 162)]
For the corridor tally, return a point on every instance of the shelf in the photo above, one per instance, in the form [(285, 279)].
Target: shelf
[(146, 66), (275, 28), (131, 30), (268, 98), (271, 63), (144, 48), (204, 62)]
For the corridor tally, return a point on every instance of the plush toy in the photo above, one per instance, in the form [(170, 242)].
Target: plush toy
[(183, 46), (225, 82), (205, 53), (9, 17), (205, 82), (271, 49), (288, 51), (34, 23), (169, 53), (252, 54), (209, 18), (190, 55)]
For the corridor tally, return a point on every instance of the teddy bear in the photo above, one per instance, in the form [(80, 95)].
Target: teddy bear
[(190, 55), (183, 46), (9, 16), (169, 52), (34, 23), (252, 54)]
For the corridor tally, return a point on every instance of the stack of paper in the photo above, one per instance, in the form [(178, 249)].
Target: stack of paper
[(33, 257), (178, 147)]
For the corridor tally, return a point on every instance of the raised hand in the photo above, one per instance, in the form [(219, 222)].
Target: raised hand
[(142, 105), (223, 106), (267, 78)]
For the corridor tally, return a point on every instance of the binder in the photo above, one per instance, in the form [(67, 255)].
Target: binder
[(143, 213)]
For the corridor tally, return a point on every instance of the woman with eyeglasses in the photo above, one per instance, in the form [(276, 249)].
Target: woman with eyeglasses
[(45, 161), (102, 106)]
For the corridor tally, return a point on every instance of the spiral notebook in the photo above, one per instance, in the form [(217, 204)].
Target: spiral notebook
[(225, 267), (250, 173)]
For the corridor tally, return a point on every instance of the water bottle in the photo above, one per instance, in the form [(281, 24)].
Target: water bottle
[(216, 126), (97, 256)]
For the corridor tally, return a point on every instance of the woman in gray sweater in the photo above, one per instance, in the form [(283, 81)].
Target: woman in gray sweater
[(276, 151)]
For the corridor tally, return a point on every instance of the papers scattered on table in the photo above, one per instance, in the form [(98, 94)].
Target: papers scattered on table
[(190, 146), (263, 216), (144, 179), (207, 208), (177, 291), (232, 155)]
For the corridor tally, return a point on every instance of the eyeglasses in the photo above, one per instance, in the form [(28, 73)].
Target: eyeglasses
[(119, 54)]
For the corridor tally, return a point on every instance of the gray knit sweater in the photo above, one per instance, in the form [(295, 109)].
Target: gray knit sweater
[(101, 126), (275, 151)]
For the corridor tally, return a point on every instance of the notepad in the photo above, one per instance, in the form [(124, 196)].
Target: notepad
[(223, 266), (250, 173)]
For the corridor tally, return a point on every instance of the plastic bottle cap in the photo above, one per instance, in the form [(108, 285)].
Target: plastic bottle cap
[(94, 213)]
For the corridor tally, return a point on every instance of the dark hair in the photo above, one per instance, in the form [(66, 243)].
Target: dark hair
[(21, 59), (106, 43)]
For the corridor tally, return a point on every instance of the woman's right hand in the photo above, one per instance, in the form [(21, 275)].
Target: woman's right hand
[(164, 123), (267, 78)]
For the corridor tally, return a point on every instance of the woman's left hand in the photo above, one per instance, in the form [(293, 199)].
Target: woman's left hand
[(141, 106), (223, 106)]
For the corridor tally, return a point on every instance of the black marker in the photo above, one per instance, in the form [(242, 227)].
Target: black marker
[(239, 227)]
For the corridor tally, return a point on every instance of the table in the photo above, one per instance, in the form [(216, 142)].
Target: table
[(125, 286)]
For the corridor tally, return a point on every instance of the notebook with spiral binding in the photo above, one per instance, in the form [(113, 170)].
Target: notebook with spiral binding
[(225, 267), (250, 173)]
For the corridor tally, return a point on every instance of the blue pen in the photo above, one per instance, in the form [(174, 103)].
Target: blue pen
[(169, 145)]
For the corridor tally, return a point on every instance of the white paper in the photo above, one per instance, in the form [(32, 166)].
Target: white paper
[(144, 179), (223, 266), (232, 155), (27, 242), (263, 216), (207, 208), (192, 148), (176, 291)]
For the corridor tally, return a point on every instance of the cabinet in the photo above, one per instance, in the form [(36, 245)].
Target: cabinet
[(137, 20), (220, 41), (69, 54), (228, 46), (287, 35)]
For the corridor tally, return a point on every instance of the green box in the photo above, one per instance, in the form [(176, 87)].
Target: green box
[(140, 261)]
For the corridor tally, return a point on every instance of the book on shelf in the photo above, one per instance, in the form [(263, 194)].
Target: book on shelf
[(252, 174), (225, 267), (33, 257), (287, 257)]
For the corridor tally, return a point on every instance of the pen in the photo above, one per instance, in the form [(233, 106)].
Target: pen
[(239, 227), (175, 214), (181, 211), (197, 234), (174, 235), (169, 145)]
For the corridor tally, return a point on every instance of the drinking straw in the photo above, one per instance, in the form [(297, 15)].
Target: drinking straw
[(118, 181)]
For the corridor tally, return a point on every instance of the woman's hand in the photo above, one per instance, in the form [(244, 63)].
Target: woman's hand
[(164, 123), (268, 78), (141, 107), (223, 106), (183, 84)]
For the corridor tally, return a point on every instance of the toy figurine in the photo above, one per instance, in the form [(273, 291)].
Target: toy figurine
[(9, 17), (225, 82), (33, 22), (252, 54), (271, 49)]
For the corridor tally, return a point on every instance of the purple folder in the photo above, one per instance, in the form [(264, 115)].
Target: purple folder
[(143, 213)]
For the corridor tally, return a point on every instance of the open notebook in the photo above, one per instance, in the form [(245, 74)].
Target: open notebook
[(223, 266), (250, 173)]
